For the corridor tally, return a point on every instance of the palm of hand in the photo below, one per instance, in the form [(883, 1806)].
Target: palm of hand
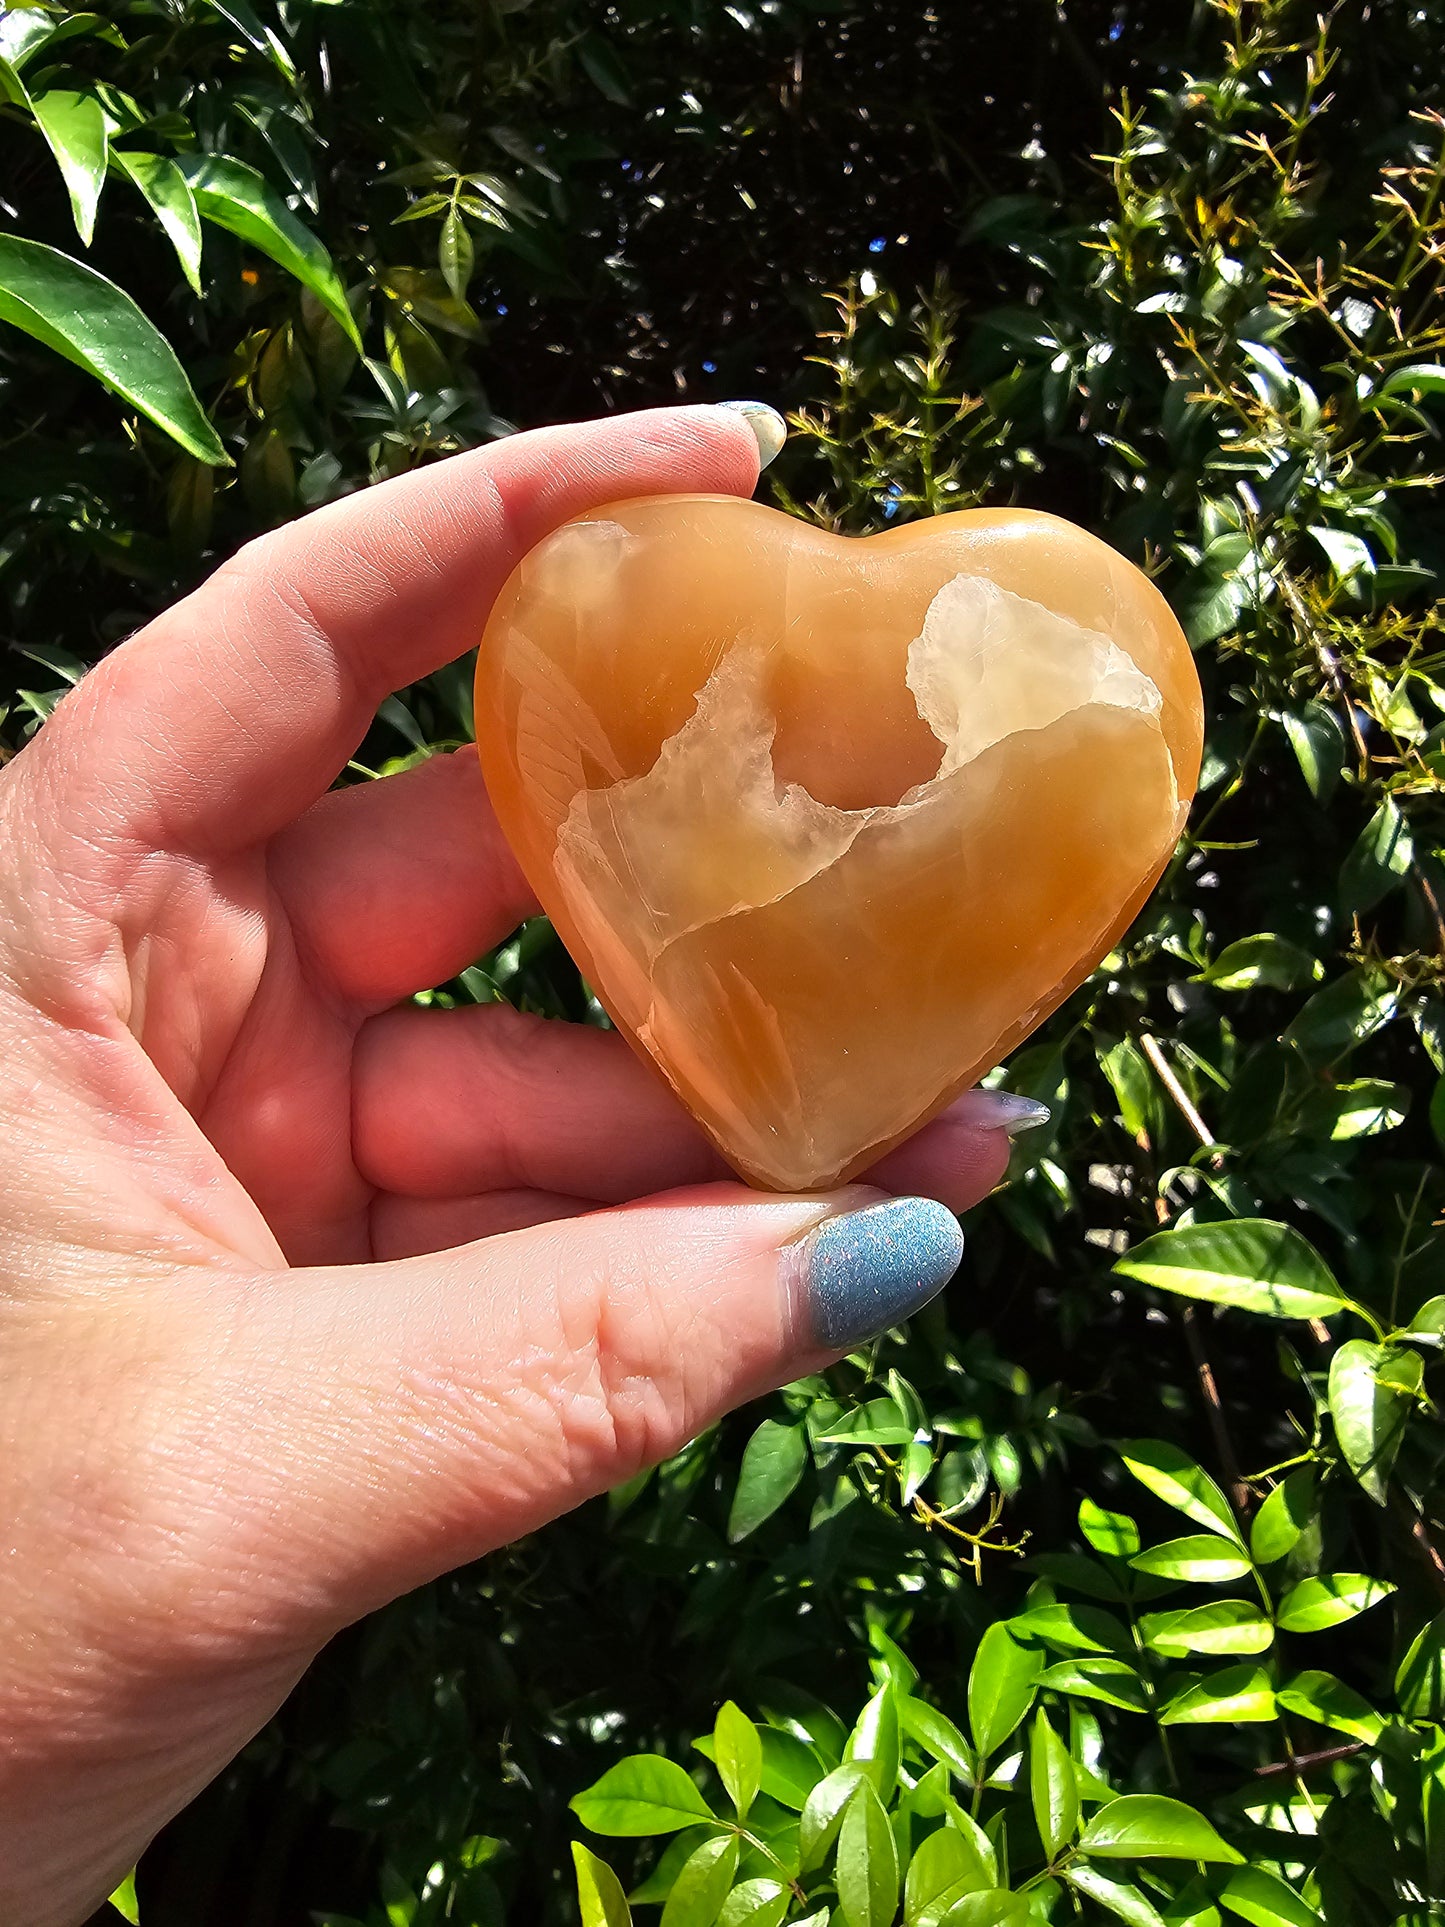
[(227, 1432)]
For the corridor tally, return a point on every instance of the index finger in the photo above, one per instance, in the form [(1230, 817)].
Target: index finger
[(233, 711)]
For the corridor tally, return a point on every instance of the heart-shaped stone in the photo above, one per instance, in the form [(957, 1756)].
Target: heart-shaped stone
[(830, 824)]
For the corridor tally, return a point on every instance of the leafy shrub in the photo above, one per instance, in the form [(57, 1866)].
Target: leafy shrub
[(1222, 346)]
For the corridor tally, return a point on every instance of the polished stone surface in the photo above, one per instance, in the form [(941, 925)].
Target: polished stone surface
[(829, 824)]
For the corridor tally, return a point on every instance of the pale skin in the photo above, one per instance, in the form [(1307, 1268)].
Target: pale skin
[(310, 1294)]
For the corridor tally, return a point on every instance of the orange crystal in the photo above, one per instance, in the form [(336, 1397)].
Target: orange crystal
[(829, 824)]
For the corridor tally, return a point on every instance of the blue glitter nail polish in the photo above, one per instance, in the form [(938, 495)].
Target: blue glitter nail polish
[(868, 1270)]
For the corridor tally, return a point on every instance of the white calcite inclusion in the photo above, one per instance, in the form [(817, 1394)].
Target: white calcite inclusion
[(647, 863)]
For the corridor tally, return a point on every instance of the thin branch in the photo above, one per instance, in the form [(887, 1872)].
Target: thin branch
[(1305, 1762), (1194, 1338)]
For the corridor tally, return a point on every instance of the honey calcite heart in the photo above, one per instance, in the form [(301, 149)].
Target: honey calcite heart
[(830, 824)]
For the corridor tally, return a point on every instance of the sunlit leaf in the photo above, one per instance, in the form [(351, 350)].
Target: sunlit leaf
[(1127, 1902), (1227, 1626), (1203, 1561), (81, 315), (1053, 1786), (1321, 1697), (738, 1756), (646, 1793), (703, 1884), (1329, 1600), (74, 125), (1174, 1477), (599, 1891), (1259, 1896), (866, 1871), (171, 201), (1140, 1826), (1283, 1517), (1001, 1686), (1114, 1682), (1232, 1697), (1372, 1391), (1250, 1263), (235, 196), (774, 1460)]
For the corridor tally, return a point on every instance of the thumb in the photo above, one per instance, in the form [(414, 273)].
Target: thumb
[(419, 1413)]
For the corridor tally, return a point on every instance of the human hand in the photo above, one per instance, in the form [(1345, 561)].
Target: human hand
[(260, 1375)]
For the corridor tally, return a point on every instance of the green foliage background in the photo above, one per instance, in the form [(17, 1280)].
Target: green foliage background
[(1113, 1588)]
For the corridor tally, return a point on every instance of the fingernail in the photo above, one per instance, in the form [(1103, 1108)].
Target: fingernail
[(999, 1111), (865, 1271), (766, 423)]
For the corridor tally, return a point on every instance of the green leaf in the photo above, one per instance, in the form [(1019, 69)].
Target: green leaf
[(1202, 1561), (1327, 1700), (1381, 855), (171, 201), (945, 1866), (1348, 554), (938, 1736), (774, 1460), (1226, 582), (675, 1855), (738, 1756), (1150, 1826), (1259, 1896), (1372, 1391), (1329, 1600), (1420, 1682), (878, 1421), (791, 1769), (1234, 1696), (1226, 1626), (756, 1903), (1332, 1022), (646, 1793), (599, 1891), (873, 1743), (1415, 378), (1317, 737), (1428, 1322), (124, 1901), (235, 196), (866, 1871), (1128, 1902), (822, 1814), (1053, 1787), (81, 315), (703, 1884), (1132, 1082), (1001, 1686), (1263, 962), (1112, 1681), (1114, 1533), (74, 126), (456, 255), (996, 1907), (1173, 1477), (1073, 1629), (1251, 1263), (1357, 1107), (1283, 1517)]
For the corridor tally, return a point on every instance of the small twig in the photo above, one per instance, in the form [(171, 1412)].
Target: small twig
[(1151, 1049), (1414, 1523), (1162, 1070), (1203, 1370), (1304, 1762)]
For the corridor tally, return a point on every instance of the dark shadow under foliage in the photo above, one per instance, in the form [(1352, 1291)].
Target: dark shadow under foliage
[(1173, 273)]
